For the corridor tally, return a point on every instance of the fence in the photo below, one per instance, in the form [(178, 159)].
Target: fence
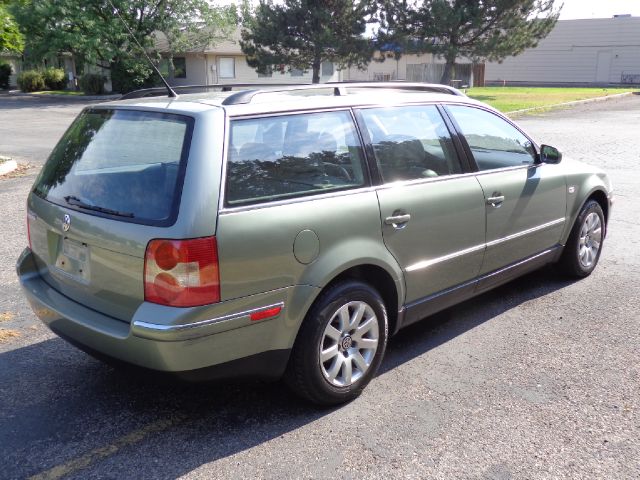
[(432, 73), (630, 78)]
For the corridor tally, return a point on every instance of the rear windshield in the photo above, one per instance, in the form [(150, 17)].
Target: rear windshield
[(120, 163)]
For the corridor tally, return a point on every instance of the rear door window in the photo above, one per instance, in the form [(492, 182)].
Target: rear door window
[(120, 163), (280, 157), (410, 142)]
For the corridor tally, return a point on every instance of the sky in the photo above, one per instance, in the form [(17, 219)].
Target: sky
[(598, 8)]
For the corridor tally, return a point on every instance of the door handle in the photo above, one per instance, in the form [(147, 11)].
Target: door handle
[(398, 220), (495, 201)]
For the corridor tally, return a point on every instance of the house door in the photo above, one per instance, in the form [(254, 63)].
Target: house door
[(603, 66)]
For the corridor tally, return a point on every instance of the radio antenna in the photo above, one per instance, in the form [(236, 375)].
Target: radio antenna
[(170, 92)]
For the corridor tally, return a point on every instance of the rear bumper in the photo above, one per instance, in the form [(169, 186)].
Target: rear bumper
[(185, 341)]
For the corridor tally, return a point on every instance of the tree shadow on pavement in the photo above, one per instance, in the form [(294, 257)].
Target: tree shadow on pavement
[(60, 408)]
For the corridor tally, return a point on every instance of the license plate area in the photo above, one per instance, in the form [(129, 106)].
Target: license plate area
[(73, 260)]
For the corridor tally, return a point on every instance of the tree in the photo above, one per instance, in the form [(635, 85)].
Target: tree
[(93, 31), (476, 29), (10, 37), (304, 33)]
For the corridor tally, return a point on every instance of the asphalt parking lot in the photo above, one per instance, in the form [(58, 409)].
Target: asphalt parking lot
[(537, 379)]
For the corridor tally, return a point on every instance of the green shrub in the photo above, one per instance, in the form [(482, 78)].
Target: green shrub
[(92, 84), (31, 81), (128, 75), (5, 73), (54, 78)]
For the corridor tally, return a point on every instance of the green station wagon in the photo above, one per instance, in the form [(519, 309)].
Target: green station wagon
[(289, 231)]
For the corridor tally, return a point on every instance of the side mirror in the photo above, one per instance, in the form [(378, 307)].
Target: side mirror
[(549, 154)]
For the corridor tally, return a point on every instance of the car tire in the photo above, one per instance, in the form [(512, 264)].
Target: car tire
[(340, 344), (582, 251)]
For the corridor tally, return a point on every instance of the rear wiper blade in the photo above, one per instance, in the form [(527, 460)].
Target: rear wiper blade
[(75, 201)]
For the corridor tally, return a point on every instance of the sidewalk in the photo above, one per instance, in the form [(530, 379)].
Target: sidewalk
[(7, 165)]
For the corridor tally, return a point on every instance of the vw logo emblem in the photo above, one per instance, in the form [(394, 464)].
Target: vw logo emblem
[(347, 342), (66, 222)]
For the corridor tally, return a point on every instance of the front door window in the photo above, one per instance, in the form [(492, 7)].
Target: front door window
[(494, 142)]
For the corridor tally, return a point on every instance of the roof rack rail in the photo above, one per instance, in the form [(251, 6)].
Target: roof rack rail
[(339, 89), (221, 87)]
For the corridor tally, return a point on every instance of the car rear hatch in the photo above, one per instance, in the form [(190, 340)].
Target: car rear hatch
[(113, 182)]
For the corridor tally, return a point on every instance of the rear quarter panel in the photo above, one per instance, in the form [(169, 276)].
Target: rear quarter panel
[(256, 246)]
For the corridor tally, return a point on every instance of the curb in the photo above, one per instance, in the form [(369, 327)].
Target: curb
[(568, 104), (7, 165), (18, 93)]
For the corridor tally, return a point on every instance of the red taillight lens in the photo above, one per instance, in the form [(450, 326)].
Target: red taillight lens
[(182, 273), (266, 313)]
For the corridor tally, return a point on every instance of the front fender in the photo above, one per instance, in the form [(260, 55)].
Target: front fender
[(581, 185)]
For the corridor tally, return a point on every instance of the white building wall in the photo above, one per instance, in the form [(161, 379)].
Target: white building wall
[(203, 69), (595, 51), (195, 69)]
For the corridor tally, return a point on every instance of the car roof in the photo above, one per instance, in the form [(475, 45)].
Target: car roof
[(295, 98)]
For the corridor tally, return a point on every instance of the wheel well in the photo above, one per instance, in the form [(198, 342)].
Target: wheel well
[(600, 197), (379, 279)]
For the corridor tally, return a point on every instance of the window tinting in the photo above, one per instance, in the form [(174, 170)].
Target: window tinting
[(124, 161), (411, 142), (275, 158), (494, 142)]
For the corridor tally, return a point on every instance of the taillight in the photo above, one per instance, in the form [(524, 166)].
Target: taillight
[(182, 273)]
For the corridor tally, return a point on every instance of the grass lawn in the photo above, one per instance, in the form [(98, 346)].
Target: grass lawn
[(60, 92), (508, 99)]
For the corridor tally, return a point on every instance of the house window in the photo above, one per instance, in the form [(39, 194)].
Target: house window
[(226, 67), (179, 67), (164, 67), (296, 72), (327, 69)]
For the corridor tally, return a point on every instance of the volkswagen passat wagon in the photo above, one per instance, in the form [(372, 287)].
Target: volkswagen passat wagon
[(289, 232)]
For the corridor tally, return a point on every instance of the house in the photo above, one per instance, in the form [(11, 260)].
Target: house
[(388, 70), (16, 66), (601, 51), (225, 63)]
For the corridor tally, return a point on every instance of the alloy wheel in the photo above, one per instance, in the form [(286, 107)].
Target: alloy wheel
[(349, 343)]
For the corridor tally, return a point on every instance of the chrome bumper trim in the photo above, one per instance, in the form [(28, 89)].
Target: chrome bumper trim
[(194, 329)]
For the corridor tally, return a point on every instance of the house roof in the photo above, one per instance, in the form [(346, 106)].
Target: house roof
[(228, 46)]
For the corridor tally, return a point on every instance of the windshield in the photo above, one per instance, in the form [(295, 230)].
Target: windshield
[(124, 163)]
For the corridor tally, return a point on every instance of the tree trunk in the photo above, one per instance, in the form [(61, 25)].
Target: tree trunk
[(449, 69), (316, 69)]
